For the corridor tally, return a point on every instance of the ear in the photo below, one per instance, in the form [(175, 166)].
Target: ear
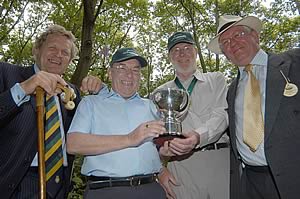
[(169, 57), (34, 53), (109, 73), (255, 35)]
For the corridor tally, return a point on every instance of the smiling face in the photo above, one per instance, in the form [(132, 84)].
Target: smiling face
[(54, 55), (183, 57), (239, 44), (125, 77)]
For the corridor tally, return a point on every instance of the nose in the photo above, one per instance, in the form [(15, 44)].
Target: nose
[(181, 52), (232, 42), (59, 53), (129, 72)]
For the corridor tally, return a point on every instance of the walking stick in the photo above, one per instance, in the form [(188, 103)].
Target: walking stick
[(66, 96), (41, 137)]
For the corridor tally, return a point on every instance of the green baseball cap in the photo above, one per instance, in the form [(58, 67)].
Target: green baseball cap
[(180, 37), (124, 54)]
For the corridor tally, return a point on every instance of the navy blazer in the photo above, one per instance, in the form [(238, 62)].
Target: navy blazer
[(282, 126), (18, 130)]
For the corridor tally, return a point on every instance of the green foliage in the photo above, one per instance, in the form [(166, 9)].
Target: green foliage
[(145, 25), (78, 180)]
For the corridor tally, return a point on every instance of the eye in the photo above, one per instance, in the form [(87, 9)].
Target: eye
[(52, 48), (66, 53), (225, 42), (187, 48), (136, 70), (176, 50), (122, 69)]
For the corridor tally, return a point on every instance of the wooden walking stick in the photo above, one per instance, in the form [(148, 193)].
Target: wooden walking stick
[(67, 97), (40, 106)]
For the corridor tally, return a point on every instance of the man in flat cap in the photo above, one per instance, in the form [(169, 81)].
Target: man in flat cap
[(114, 131), (200, 161), (263, 108)]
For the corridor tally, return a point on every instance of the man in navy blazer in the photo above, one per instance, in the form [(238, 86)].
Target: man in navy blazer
[(53, 51), (272, 170)]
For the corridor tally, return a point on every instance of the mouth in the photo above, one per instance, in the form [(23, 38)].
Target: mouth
[(127, 83), (182, 61), (53, 61), (237, 50)]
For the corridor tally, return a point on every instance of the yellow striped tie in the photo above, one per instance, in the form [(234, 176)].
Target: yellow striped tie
[(53, 148), (253, 120)]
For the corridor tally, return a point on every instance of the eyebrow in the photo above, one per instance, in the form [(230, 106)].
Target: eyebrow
[(136, 66)]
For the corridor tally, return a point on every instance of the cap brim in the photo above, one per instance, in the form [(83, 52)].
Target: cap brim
[(183, 41), (250, 21), (142, 60)]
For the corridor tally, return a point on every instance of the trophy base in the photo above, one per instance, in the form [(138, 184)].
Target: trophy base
[(159, 141)]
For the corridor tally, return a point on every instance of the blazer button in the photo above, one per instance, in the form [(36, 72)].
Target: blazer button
[(27, 160), (11, 186)]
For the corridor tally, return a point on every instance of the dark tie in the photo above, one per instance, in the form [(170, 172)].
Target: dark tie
[(53, 148), (253, 120)]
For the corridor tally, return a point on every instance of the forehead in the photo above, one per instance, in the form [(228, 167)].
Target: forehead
[(232, 30), (60, 39), (129, 62)]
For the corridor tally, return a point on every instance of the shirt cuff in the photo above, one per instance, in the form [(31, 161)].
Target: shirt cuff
[(203, 132), (19, 95)]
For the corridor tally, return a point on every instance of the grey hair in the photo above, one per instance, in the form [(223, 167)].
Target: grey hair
[(56, 29)]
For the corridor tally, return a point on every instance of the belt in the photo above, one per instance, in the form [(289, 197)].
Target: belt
[(95, 182), (215, 146)]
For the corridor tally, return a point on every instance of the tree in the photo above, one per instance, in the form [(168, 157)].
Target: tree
[(104, 26), (91, 12)]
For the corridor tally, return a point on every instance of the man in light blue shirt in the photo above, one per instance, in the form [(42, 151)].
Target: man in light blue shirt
[(114, 131)]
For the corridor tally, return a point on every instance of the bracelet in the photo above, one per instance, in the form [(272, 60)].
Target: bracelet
[(165, 161)]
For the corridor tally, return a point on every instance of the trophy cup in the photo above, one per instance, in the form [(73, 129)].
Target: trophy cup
[(172, 104)]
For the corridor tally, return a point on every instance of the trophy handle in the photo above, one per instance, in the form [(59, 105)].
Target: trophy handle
[(185, 106)]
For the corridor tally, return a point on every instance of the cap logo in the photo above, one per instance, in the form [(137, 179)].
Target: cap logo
[(129, 51), (178, 37)]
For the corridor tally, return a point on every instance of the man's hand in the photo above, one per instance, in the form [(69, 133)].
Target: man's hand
[(146, 131), (181, 146), (166, 179), (91, 84), (165, 151), (48, 81)]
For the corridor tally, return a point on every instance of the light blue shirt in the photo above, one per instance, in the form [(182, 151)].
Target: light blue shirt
[(259, 62), (111, 114)]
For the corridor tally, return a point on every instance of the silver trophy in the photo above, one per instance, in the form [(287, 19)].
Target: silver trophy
[(172, 103)]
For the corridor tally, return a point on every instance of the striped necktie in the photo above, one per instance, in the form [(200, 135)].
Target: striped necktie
[(53, 148), (253, 120)]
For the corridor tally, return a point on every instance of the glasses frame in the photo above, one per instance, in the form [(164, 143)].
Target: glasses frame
[(176, 51), (124, 69), (237, 36)]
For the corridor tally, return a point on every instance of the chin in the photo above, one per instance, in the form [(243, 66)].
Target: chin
[(58, 72)]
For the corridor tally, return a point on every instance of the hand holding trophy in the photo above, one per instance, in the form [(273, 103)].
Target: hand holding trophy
[(173, 104)]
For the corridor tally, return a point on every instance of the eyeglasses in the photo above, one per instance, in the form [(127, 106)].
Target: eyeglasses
[(225, 43), (177, 51), (123, 69)]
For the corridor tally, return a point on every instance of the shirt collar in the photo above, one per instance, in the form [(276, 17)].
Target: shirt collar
[(36, 68), (260, 59), (198, 74), (113, 94)]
